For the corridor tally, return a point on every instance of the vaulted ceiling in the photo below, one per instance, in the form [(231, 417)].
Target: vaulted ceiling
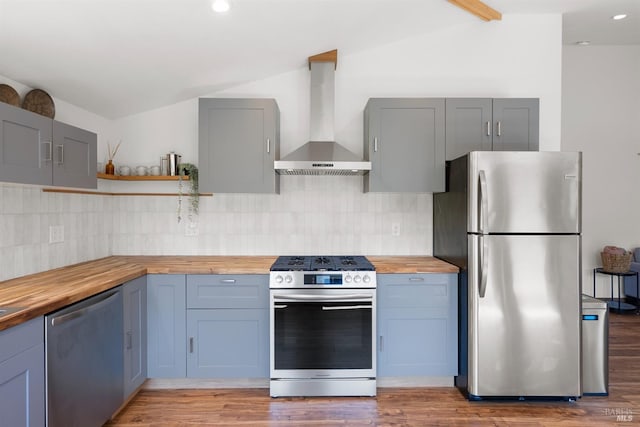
[(121, 57)]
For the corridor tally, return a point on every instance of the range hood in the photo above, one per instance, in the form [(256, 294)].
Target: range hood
[(322, 155)]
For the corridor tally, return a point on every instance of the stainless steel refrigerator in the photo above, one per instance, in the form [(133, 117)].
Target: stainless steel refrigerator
[(512, 221)]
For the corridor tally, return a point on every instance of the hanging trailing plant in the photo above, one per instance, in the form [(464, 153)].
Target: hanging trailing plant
[(190, 170)]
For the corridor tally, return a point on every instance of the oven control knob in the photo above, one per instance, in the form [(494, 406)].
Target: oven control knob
[(278, 279), (356, 278), (288, 279), (347, 278), (366, 278)]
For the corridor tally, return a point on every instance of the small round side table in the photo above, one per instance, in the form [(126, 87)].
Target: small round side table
[(616, 304)]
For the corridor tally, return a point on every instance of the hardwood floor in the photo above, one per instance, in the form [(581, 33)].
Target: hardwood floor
[(401, 406)]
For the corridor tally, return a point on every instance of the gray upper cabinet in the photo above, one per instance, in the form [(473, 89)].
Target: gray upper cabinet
[(404, 138), (238, 143), (25, 146), (468, 126), (486, 124), (37, 150), (516, 124), (74, 156)]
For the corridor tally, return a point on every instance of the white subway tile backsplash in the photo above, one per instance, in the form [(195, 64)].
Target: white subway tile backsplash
[(329, 215), (311, 215), (25, 216), (12, 202)]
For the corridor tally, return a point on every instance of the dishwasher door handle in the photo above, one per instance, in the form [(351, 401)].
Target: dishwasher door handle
[(59, 320)]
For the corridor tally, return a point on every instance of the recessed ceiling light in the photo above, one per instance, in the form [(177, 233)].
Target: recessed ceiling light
[(583, 43), (619, 17), (220, 6)]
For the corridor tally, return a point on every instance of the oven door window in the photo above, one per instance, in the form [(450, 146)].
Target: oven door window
[(323, 335)]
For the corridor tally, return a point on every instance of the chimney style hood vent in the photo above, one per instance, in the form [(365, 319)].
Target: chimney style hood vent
[(322, 155)]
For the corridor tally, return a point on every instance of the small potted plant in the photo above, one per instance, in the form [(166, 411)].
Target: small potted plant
[(190, 170)]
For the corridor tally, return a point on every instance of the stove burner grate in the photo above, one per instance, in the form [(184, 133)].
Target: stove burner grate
[(322, 263)]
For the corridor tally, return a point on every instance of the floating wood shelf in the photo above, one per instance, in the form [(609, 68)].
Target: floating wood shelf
[(141, 178), (127, 178), (110, 193)]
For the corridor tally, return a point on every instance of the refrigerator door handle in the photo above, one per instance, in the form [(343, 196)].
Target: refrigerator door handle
[(484, 266), (483, 202)]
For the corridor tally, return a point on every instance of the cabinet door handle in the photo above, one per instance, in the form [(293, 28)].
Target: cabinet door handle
[(50, 150), (228, 280), (488, 128), (375, 144), (190, 344), (268, 145), (61, 149), (416, 279), (381, 343), (129, 340), (499, 128)]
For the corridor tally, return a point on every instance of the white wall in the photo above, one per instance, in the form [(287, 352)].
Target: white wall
[(601, 118), (498, 59), (73, 115)]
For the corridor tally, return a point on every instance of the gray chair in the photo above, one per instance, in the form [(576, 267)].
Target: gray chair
[(630, 288)]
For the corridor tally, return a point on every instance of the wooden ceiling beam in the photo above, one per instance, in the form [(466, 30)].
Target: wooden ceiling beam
[(478, 8), (330, 56)]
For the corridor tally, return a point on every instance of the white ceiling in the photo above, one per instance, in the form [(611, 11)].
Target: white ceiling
[(121, 57)]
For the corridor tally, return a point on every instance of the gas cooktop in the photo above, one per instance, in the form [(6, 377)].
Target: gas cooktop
[(322, 272), (322, 263)]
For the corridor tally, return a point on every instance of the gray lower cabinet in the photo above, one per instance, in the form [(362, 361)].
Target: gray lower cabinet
[(37, 150), (228, 343), (491, 124), (417, 325), (166, 326), (404, 138), (22, 377), (134, 298), (228, 326), (239, 139)]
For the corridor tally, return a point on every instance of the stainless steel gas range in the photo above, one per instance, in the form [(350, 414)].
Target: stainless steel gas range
[(322, 326)]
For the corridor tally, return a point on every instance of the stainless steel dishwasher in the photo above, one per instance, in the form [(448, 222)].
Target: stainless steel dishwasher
[(84, 361)]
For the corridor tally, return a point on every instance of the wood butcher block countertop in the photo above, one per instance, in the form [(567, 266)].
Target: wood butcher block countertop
[(205, 264), (411, 265), (42, 293)]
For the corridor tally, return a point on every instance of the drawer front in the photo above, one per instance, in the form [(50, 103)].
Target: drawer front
[(228, 291), (21, 337), (416, 290)]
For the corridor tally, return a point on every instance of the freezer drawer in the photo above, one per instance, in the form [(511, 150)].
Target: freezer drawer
[(524, 316), (595, 347), (523, 192)]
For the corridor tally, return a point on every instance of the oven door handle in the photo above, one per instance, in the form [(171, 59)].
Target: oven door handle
[(347, 307), (321, 298)]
